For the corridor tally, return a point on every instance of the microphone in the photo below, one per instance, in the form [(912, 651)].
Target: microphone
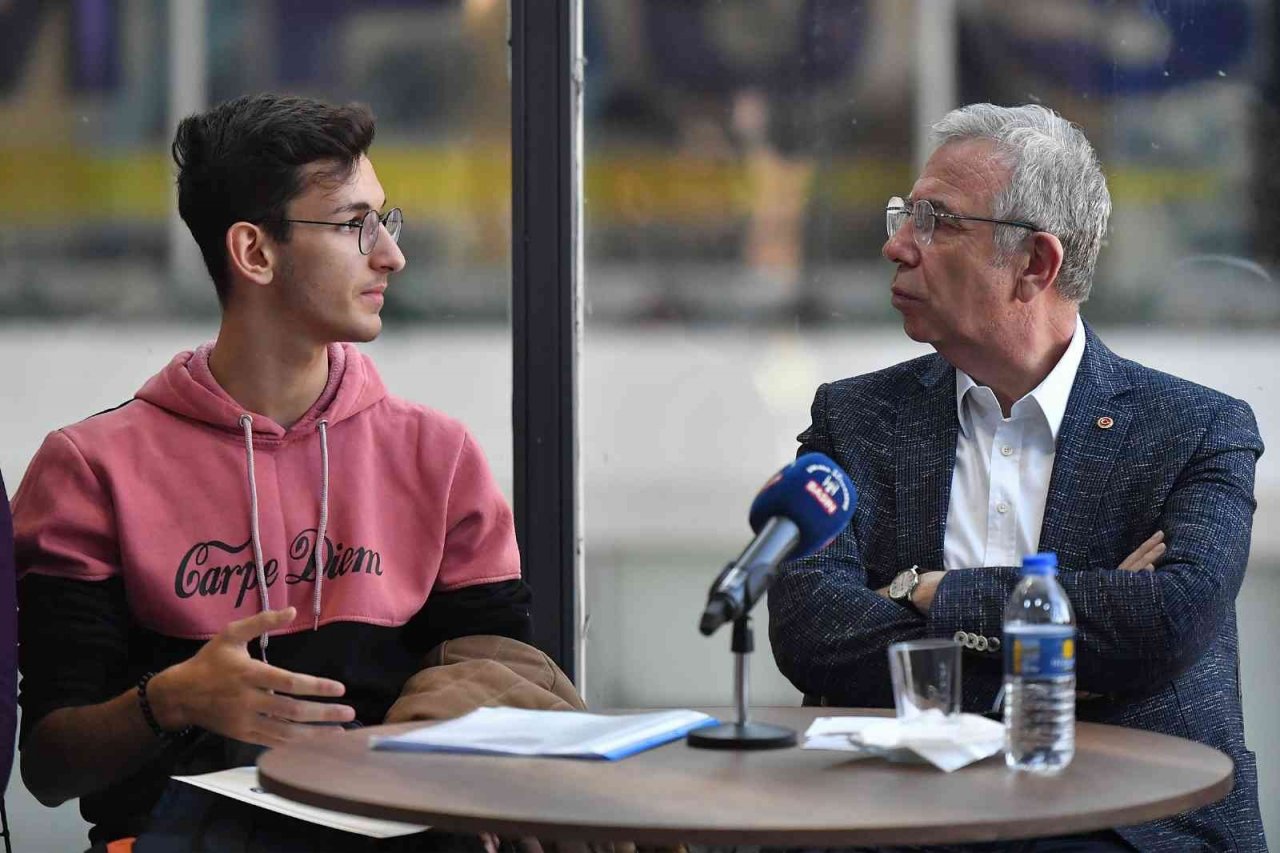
[(796, 514)]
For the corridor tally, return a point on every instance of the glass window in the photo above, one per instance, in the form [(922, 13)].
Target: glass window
[(100, 283), (739, 154), (89, 238)]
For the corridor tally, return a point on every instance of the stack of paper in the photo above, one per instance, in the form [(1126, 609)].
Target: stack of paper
[(565, 734)]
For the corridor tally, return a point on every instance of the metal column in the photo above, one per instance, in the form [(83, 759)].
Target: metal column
[(546, 313)]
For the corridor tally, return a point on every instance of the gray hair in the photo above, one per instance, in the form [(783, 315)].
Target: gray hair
[(1056, 183)]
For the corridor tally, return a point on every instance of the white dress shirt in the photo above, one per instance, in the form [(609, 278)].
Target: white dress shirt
[(1003, 466)]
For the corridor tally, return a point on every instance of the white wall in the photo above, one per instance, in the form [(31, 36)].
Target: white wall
[(678, 430)]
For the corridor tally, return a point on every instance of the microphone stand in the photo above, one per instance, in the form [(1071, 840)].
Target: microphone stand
[(743, 734)]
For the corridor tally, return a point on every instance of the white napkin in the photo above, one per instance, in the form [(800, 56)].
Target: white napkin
[(946, 743)]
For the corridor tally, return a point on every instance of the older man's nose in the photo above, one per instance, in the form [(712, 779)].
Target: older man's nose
[(901, 247)]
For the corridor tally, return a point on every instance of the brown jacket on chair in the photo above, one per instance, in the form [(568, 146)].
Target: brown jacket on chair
[(484, 671)]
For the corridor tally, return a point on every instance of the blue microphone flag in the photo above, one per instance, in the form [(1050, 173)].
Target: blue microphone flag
[(815, 494)]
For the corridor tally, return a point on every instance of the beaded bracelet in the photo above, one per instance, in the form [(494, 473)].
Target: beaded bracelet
[(149, 715)]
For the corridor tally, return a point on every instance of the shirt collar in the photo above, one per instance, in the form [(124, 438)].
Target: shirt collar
[(1051, 394), (964, 384)]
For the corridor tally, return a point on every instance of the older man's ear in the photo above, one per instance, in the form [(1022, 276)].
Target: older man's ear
[(1044, 260)]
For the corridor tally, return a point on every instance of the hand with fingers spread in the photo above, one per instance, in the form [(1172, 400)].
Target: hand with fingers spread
[(224, 690), (1144, 558)]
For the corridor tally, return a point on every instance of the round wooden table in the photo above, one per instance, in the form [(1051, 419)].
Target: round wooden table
[(788, 796)]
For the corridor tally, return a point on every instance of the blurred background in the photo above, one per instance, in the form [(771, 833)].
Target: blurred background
[(738, 156)]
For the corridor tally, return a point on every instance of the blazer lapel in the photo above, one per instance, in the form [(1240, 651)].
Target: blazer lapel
[(924, 457), (1089, 440)]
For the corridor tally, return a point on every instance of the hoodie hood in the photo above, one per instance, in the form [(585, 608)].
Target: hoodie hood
[(186, 387)]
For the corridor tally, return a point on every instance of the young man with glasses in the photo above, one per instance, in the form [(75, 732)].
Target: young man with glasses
[(263, 544), (1024, 433)]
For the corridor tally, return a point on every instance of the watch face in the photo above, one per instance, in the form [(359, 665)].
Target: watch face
[(900, 585)]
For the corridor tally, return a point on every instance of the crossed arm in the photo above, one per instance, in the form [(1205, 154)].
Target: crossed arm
[(1143, 559), (1137, 628)]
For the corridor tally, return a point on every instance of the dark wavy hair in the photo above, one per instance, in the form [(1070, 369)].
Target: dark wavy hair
[(243, 161)]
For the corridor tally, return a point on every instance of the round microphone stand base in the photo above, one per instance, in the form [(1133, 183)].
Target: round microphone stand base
[(742, 736)]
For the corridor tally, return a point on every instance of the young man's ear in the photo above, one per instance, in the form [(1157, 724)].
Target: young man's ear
[(251, 254), (1044, 261)]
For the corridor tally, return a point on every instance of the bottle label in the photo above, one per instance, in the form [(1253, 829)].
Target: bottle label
[(1047, 652)]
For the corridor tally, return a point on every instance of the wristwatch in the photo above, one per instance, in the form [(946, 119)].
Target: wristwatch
[(904, 584)]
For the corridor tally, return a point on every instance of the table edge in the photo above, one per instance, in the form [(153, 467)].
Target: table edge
[(995, 830), (998, 830)]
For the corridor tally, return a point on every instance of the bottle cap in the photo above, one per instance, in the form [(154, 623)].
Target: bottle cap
[(1044, 563)]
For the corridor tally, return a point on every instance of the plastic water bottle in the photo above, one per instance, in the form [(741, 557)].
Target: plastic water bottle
[(1039, 671)]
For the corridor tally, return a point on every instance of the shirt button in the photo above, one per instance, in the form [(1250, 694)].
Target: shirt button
[(1006, 450), (1002, 507)]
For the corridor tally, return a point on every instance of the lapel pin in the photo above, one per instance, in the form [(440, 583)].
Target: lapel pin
[(1106, 422)]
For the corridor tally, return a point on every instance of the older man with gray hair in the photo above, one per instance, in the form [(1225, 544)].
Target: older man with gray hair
[(1024, 433)]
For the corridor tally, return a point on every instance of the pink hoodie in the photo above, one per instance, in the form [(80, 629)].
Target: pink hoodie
[(180, 488)]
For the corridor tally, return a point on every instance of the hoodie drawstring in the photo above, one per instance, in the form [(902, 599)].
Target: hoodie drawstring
[(246, 421), (318, 551)]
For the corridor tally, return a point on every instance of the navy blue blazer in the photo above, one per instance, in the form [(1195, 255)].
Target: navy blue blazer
[(1161, 648)]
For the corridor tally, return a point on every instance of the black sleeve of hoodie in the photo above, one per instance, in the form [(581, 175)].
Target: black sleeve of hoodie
[(502, 608), (74, 644)]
